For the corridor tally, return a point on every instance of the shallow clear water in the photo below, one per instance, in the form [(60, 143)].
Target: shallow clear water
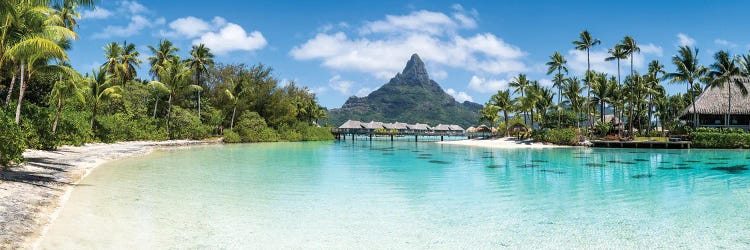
[(410, 195)]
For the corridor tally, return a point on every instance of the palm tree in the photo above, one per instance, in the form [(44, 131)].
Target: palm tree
[(239, 89), (558, 63), (101, 88), (165, 51), (158, 90), (490, 114), (544, 101), (67, 14), (688, 71), (600, 88), (571, 92), (503, 101), (174, 74), (65, 87), (129, 60), (201, 59), (630, 47), (617, 53), (113, 52), (584, 43), (724, 71), (521, 83), (653, 87)]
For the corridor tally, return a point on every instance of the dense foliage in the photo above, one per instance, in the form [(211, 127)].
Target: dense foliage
[(45, 103), (566, 136), (720, 138)]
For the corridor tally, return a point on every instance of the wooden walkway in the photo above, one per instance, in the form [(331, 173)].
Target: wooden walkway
[(641, 144), (401, 136)]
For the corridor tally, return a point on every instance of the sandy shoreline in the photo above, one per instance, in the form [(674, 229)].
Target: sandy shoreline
[(31, 195), (506, 143)]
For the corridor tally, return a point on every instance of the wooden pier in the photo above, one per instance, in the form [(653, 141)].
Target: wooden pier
[(340, 134), (641, 144)]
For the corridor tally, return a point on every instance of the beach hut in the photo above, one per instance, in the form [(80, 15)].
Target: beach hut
[(712, 107), (518, 128), (471, 129), (442, 128), (373, 125), (352, 126), (483, 129), (456, 129), (419, 128)]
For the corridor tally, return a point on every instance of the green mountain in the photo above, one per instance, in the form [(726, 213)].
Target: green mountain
[(411, 97)]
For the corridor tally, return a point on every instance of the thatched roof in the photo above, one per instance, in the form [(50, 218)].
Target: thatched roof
[(373, 125), (483, 128), (418, 126), (471, 129), (716, 100), (442, 127), (351, 125), (456, 128)]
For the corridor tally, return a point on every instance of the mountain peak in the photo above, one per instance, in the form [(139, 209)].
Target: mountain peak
[(415, 69)]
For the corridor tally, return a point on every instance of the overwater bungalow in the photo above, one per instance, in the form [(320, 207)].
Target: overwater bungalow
[(419, 128), (442, 128), (712, 107), (351, 126)]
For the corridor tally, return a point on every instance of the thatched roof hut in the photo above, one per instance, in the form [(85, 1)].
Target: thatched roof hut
[(518, 127), (471, 129), (351, 125), (418, 127), (442, 128), (483, 129), (374, 125), (715, 100), (456, 128)]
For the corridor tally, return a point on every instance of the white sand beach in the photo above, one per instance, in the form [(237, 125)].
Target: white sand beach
[(506, 142), (31, 194)]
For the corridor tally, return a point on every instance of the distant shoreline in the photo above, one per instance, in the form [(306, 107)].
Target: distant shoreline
[(32, 195), (504, 143)]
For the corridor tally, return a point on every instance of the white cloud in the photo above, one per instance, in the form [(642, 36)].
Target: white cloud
[(544, 82), (340, 85), (133, 7), (381, 47), (363, 92), (459, 96), (485, 85), (189, 27), (685, 40), (577, 60), (725, 43), (652, 49), (135, 26), (96, 13), (439, 74), (232, 37)]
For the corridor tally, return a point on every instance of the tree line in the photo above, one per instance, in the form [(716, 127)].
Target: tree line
[(47, 103), (639, 99)]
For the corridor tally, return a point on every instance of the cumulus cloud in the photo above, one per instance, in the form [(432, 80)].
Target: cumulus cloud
[(725, 43), (363, 92), (96, 13), (459, 96), (546, 82), (219, 35), (135, 26), (381, 47), (486, 85), (685, 40), (577, 59), (340, 85), (132, 7)]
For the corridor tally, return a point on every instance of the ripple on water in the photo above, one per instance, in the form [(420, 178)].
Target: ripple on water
[(641, 176), (594, 165), (495, 166), (440, 162), (737, 169), (674, 168), (528, 166)]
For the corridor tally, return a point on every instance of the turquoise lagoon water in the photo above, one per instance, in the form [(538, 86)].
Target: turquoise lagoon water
[(384, 195)]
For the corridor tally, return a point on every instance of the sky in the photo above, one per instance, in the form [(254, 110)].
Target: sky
[(472, 49)]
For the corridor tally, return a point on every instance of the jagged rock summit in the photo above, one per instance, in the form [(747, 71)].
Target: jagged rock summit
[(410, 96)]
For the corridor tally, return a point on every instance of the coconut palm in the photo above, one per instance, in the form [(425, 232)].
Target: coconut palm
[(653, 87), (67, 13), (584, 43), (725, 72), (503, 101), (129, 62), (113, 52), (601, 90), (558, 63), (175, 75), (101, 88), (630, 47), (164, 52), (158, 90), (489, 114), (687, 70), (521, 83), (201, 59), (240, 88), (572, 92), (66, 87)]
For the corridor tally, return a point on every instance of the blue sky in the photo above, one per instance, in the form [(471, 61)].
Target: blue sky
[(472, 48)]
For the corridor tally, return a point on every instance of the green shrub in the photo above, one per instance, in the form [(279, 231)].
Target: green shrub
[(74, 128), (36, 126), (556, 136), (252, 128), (12, 146), (720, 138), (186, 125), (122, 127), (231, 137)]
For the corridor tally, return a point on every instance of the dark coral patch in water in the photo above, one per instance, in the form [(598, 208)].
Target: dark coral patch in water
[(440, 162), (538, 161), (495, 166), (634, 152), (594, 164), (733, 169), (664, 162), (641, 176), (716, 163), (387, 153), (581, 157), (468, 160), (416, 151), (692, 161), (425, 154), (641, 160), (528, 166), (622, 162), (488, 157), (552, 171), (674, 168), (423, 157), (719, 159), (682, 164)]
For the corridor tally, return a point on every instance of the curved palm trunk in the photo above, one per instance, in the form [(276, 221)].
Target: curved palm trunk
[(632, 98), (199, 104), (10, 90), (20, 94), (650, 107), (57, 114), (156, 105), (729, 109), (601, 110), (692, 99), (234, 111), (588, 87), (169, 115), (93, 114), (505, 115)]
